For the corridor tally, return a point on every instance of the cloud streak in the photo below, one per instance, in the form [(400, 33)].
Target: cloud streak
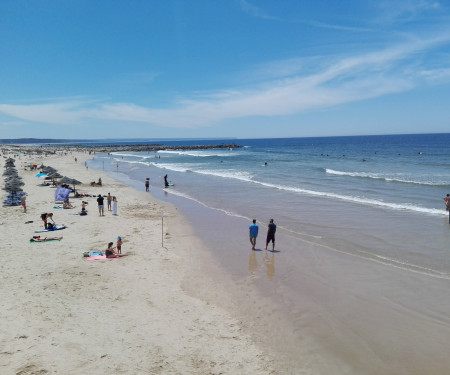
[(347, 80)]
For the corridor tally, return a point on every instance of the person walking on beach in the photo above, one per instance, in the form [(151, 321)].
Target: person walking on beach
[(271, 229), (100, 200), (108, 200), (147, 183), (447, 202), (166, 183), (253, 232)]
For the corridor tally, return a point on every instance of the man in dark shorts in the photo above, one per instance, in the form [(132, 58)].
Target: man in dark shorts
[(147, 184), (100, 200), (271, 229)]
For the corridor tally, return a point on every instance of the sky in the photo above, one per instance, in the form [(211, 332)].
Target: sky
[(83, 69)]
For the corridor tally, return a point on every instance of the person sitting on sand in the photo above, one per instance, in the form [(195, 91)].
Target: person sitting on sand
[(109, 252), (67, 204), (99, 183), (83, 208)]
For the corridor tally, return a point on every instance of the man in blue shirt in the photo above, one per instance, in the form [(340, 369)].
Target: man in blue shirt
[(253, 231)]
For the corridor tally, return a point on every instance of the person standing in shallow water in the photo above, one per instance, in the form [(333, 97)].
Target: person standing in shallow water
[(147, 183), (253, 233), (447, 202), (271, 229)]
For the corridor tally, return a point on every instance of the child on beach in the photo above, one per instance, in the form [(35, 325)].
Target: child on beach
[(119, 245), (24, 203)]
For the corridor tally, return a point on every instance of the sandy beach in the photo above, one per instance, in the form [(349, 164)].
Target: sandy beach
[(190, 297), (63, 314)]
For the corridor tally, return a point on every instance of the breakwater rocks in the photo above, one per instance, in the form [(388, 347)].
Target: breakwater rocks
[(154, 147)]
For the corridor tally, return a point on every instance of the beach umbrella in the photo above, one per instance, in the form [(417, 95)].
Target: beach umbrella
[(55, 175), (10, 172), (70, 181), (48, 169), (13, 177)]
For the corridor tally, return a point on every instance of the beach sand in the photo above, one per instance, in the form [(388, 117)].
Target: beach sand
[(63, 314)]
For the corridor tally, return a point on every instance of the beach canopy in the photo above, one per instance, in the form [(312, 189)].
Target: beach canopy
[(55, 175), (62, 194), (69, 181)]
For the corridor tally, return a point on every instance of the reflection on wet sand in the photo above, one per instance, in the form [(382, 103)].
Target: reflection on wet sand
[(269, 260), (270, 265), (252, 263)]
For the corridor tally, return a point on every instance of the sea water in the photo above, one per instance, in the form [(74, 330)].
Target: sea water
[(378, 197)]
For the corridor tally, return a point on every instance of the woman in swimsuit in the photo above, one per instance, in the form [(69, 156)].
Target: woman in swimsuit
[(109, 252)]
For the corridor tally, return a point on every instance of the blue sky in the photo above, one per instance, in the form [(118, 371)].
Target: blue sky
[(223, 68)]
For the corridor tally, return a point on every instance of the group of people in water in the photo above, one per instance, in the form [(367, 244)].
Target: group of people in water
[(147, 183)]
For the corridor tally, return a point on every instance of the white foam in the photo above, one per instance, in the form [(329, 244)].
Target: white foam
[(359, 200), (200, 154), (378, 176)]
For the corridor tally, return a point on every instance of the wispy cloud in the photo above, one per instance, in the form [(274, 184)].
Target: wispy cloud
[(255, 11), (346, 80), (258, 12), (405, 10)]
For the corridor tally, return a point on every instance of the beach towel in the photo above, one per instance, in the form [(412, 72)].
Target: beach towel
[(101, 257), (56, 227), (36, 240)]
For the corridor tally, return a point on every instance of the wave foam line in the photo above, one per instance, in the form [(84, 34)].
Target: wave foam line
[(242, 176), (201, 154), (360, 200), (376, 176)]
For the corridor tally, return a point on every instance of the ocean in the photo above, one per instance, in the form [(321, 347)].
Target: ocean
[(358, 218), (379, 197)]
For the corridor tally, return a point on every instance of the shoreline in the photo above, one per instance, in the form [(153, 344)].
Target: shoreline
[(131, 315), (316, 310)]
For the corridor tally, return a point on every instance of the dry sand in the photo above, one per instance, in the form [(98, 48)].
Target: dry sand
[(63, 314)]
